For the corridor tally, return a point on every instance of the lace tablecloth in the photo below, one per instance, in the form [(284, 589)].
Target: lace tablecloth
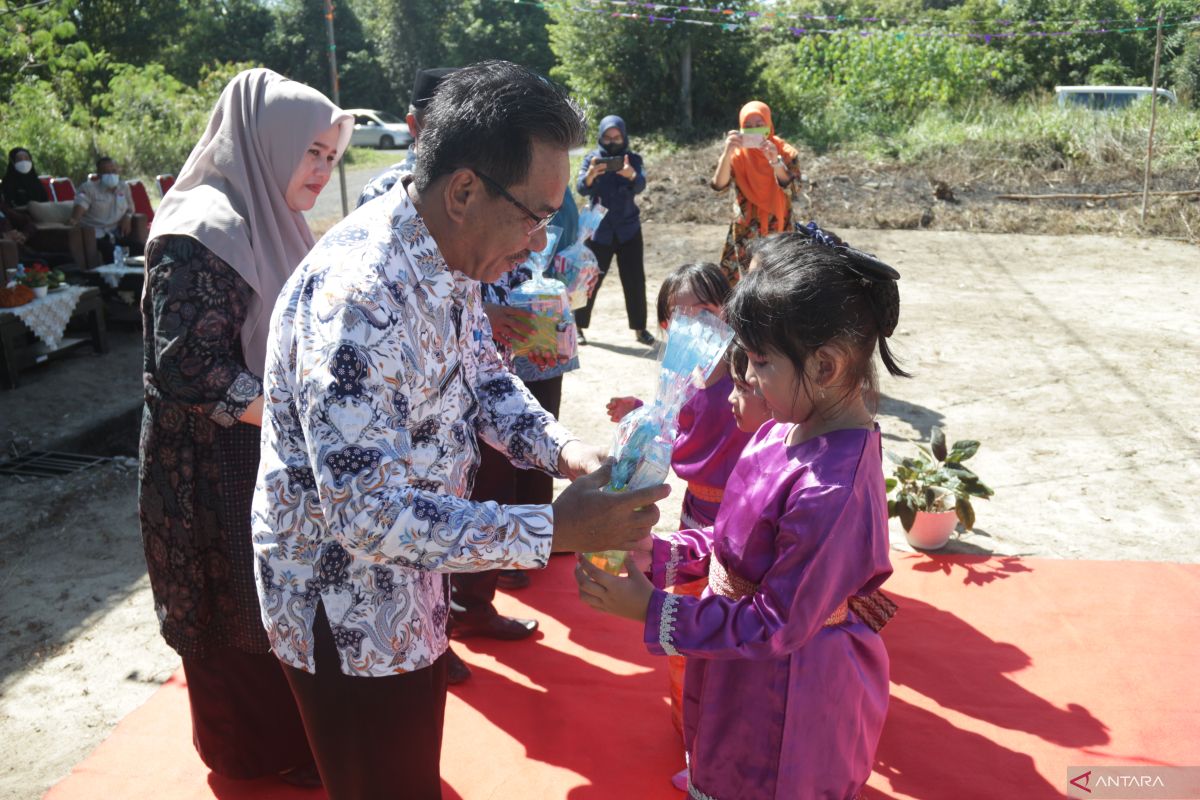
[(47, 316), (112, 274)]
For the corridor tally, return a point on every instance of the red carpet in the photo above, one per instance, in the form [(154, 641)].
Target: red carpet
[(1005, 672)]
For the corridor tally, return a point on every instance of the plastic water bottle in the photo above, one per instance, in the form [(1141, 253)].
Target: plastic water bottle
[(119, 255)]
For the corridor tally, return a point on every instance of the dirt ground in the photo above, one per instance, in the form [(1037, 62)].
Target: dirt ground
[(955, 192), (1071, 358)]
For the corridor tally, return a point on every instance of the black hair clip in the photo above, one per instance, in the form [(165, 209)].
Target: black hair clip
[(867, 267)]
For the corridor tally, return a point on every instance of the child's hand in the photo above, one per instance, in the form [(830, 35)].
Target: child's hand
[(625, 597), (618, 407)]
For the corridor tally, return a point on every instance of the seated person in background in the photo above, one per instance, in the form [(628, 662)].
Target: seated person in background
[(21, 184), (34, 244), (107, 206)]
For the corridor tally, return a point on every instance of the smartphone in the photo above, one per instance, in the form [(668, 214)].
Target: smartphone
[(613, 163)]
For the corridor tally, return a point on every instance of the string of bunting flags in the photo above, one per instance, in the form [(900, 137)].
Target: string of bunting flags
[(643, 10)]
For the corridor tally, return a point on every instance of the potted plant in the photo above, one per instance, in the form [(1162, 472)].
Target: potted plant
[(932, 492), (36, 277)]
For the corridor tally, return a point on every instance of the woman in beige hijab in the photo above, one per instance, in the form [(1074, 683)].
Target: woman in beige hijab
[(225, 239)]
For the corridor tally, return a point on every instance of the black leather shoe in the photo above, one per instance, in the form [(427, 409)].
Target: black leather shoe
[(512, 579), (457, 670), (580, 337), (644, 337), (305, 777), (496, 627)]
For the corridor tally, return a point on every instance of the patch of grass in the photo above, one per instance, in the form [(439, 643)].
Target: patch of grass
[(1039, 132), (363, 157)]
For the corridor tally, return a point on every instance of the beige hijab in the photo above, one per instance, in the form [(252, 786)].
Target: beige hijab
[(230, 195)]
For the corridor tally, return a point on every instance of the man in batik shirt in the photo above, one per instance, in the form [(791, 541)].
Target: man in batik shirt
[(381, 373)]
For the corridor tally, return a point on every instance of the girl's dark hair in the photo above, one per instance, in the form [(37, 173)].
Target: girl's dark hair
[(805, 295), (706, 280), (736, 359)]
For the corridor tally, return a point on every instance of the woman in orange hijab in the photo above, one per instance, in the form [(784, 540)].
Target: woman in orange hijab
[(762, 168)]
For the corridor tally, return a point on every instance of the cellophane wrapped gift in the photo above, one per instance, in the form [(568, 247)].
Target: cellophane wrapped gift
[(546, 298), (576, 266), (696, 342)]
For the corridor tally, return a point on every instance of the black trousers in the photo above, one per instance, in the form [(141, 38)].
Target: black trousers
[(244, 718), (472, 593), (373, 738), (631, 266)]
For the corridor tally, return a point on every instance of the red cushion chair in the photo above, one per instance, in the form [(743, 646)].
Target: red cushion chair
[(63, 188), (165, 182), (46, 184), (141, 200)]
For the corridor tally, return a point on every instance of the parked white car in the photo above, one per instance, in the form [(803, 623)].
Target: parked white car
[(1103, 98), (374, 128)]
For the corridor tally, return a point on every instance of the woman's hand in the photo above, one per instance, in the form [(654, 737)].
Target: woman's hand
[(623, 597), (618, 407), (733, 140), (628, 172), (768, 147), (595, 169), (509, 324)]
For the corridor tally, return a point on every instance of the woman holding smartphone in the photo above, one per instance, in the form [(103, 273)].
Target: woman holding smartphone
[(764, 171), (611, 175)]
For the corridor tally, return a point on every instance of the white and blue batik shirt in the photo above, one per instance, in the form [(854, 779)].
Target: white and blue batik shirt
[(380, 374)]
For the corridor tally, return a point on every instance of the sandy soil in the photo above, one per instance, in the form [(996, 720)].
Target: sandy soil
[(1073, 360)]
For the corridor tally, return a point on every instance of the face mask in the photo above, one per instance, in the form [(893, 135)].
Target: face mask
[(110, 180), (23, 167), (613, 148)]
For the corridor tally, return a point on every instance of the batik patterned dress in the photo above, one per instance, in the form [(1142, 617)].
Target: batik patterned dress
[(786, 690)]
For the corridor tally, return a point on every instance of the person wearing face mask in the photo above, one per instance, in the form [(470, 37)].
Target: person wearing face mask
[(602, 180), (21, 184), (226, 238), (106, 206), (764, 172)]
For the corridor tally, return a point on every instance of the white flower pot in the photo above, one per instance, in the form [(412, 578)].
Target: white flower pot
[(931, 531), (40, 291)]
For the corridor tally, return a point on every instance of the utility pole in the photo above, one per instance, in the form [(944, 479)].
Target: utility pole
[(685, 82), (1153, 118), (333, 81)]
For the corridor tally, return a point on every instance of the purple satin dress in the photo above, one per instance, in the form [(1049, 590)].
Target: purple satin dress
[(777, 704), (706, 449)]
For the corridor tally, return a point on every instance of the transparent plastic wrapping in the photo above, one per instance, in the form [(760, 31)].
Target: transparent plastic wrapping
[(547, 299), (696, 342), (576, 266)]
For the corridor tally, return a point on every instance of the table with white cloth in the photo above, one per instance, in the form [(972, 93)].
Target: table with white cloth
[(112, 274), (44, 321)]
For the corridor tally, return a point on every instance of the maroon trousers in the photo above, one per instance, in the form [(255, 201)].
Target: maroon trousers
[(373, 738), (244, 720)]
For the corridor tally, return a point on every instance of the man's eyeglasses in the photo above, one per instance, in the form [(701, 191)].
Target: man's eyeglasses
[(538, 222)]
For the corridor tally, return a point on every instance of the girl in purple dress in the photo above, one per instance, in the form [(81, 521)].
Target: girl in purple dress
[(787, 678), (708, 444)]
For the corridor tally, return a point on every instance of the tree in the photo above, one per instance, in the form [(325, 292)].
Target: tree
[(298, 47), (631, 67)]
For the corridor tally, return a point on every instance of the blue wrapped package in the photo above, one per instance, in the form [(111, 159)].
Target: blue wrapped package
[(696, 342)]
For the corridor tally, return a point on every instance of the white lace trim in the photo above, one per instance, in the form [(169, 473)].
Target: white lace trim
[(666, 624), (695, 793), (672, 565)]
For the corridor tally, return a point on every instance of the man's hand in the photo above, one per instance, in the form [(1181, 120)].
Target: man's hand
[(624, 597), (509, 325), (125, 225), (618, 407), (587, 519), (578, 459)]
